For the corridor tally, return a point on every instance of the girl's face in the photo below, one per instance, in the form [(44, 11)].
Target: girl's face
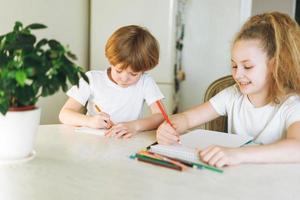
[(124, 77), (250, 69)]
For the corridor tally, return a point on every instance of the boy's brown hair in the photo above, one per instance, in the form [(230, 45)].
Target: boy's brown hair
[(132, 46), (279, 36)]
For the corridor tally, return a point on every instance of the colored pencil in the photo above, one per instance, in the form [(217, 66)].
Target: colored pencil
[(164, 113)]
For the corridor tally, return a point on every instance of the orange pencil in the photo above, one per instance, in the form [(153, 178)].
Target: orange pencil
[(110, 123), (97, 108), (164, 113)]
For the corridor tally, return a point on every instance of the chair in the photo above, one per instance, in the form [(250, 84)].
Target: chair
[(219, 124)]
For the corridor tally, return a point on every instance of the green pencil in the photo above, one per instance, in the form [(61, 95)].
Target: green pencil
[(204, 166)]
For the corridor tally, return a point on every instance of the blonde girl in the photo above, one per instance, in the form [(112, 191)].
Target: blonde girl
[(264, 103)]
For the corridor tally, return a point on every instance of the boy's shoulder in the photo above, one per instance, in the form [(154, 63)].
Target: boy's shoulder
[(95, 74), (146, 77)]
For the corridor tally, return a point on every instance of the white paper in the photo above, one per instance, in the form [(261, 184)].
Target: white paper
[(199, 139), (93, 131)]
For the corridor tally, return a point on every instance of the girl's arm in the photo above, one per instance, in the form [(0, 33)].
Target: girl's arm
[(284, 151), (183, 121), (200, 114), (71, 114)]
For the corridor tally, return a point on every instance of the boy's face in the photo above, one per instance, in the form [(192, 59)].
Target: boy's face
[(124, 77), (250, 68)]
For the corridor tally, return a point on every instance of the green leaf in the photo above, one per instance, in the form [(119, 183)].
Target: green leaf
[(21, 77), (84, 76), (35, 26), (30, 71), (41, 43), (55, 45), (18, 26), (71, 55)]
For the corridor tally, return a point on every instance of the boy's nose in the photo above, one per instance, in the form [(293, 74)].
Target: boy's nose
[(124, 77)]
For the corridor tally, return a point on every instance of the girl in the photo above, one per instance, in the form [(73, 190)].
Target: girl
[(264, 102)]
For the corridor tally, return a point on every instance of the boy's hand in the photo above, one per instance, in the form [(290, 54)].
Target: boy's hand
[(101, 120), (220, 156), (121, 130)]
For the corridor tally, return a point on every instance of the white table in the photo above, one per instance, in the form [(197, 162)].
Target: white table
[(73, 166)]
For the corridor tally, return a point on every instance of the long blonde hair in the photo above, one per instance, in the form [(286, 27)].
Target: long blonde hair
[(279, 36)]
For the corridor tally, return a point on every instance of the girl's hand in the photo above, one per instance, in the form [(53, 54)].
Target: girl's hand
[(220, 156), (121, 130), (101, 120), (166, 134)]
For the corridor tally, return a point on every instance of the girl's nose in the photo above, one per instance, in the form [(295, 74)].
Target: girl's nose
[(239, 72)]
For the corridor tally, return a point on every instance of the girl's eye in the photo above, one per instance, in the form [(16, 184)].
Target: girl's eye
[(248, 67), (234, 66)]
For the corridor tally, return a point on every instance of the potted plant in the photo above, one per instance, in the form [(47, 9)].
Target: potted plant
[(29, 69)]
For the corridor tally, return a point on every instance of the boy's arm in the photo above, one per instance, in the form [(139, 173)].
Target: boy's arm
[(71, 113), (151, 122)]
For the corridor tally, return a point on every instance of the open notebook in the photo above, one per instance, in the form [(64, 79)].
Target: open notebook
[(90, 130), (199, 139)]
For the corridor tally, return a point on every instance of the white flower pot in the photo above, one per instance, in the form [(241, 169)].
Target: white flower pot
[(17, 134)]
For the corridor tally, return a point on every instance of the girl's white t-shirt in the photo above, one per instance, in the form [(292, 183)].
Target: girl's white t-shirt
[(265, 124), (122, 104)]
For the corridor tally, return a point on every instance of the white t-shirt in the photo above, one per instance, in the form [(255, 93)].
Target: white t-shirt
[(265, 124), (122, 104)]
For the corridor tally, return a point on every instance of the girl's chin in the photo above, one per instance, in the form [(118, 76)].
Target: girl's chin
[(245, 89)]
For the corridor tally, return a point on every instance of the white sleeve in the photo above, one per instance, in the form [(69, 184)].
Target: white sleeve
[(151, 91), (83, 92), (293, 113), (222, 100)]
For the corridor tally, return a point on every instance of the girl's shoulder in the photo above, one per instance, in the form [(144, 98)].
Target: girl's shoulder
[(291, 100), (232, 92)]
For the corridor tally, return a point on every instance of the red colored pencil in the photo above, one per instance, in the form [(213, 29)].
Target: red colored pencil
[(164, 113)]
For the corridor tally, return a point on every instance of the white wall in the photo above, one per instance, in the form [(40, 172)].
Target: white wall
[(67, 21), (210, 27), (286, 6)]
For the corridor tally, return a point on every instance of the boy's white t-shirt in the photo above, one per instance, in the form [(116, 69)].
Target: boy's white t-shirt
[(265, 124), (122, 104)]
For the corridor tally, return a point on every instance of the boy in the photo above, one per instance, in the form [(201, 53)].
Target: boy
[(115, 96)]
